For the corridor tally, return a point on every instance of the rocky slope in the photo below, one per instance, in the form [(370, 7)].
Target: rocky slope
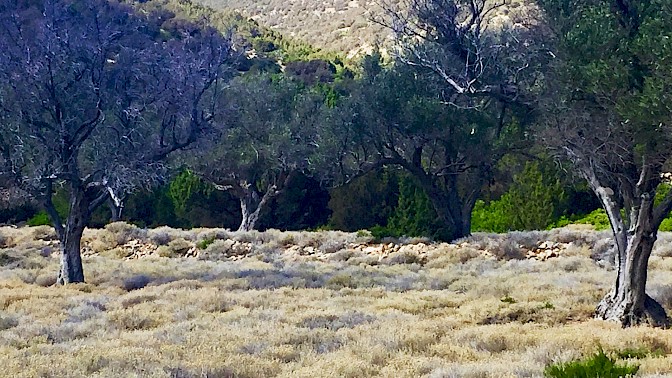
[(338, 25)]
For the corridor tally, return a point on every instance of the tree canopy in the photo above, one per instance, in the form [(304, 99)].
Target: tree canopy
[(91, 102), (607, 111)]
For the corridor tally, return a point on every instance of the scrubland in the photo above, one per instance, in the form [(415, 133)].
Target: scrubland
[(338, 25), (344, 26), (451, 311)]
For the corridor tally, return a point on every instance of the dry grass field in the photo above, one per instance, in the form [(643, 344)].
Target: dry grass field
[(214, 303)]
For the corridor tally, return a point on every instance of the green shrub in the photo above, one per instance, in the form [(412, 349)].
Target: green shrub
[(534, 198), (40, 219), (203, 244), (561, 222), (196, 203), (379, 232), (491, 217), (414, 214), (598, 219), (532, 203), (60, 201), (666, 225), (366, 201), (639, 353), (183, 187), (632, 353), (597, 366)]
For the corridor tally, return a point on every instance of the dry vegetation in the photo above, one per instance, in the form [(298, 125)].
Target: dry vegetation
[(455, 312), (339, 25), (336, 25)]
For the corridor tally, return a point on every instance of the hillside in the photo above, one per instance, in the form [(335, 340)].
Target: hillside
[(340, 25), (335, 25)]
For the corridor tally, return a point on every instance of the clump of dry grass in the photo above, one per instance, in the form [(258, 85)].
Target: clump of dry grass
[(135, 282), (175, 248), (506, 247), (663, 246), (459, 313), (402, 257), (124, 232), (7, 322), (161, 235), (6, 238), (164, 235), (43, 233)]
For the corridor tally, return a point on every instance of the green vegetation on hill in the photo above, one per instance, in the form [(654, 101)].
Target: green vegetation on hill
[(266, 43)]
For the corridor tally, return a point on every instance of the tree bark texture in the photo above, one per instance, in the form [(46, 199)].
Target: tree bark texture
[(450, 213), (249, 209), (115, 211), (251, 205), (628, 302), (72, 270)]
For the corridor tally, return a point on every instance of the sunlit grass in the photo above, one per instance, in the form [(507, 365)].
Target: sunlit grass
[(458, 314)]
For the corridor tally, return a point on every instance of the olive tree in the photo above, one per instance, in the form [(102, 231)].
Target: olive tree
[(486, 67), (396, 116), (263, 139), (608, 113), (91, 103)]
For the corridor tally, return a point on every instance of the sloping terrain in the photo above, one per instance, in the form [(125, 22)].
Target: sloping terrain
[(335, 25), (338, 25)]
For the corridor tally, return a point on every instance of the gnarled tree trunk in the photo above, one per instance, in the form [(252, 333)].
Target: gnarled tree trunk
[(458, 225), (451, 208), (250, 208), (251, 205), (71, 259), (70, 236), (628, 302), (116, 210)]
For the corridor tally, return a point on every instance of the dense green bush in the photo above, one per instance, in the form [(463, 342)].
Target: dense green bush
[(666, 225), (597, 218), (39, 219), (197, 203), (533, 202), (490, 217), (302, 205), (660, 194), (184, 187), (598, 365), (413, 216)]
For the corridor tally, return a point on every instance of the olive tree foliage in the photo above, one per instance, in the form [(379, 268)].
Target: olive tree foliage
[(90, 102), (395, 115), (485, 56), (266, 136), (608, 112), (486, 69)]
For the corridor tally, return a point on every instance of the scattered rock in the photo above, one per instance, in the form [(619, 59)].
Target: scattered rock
[(237, 250)]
